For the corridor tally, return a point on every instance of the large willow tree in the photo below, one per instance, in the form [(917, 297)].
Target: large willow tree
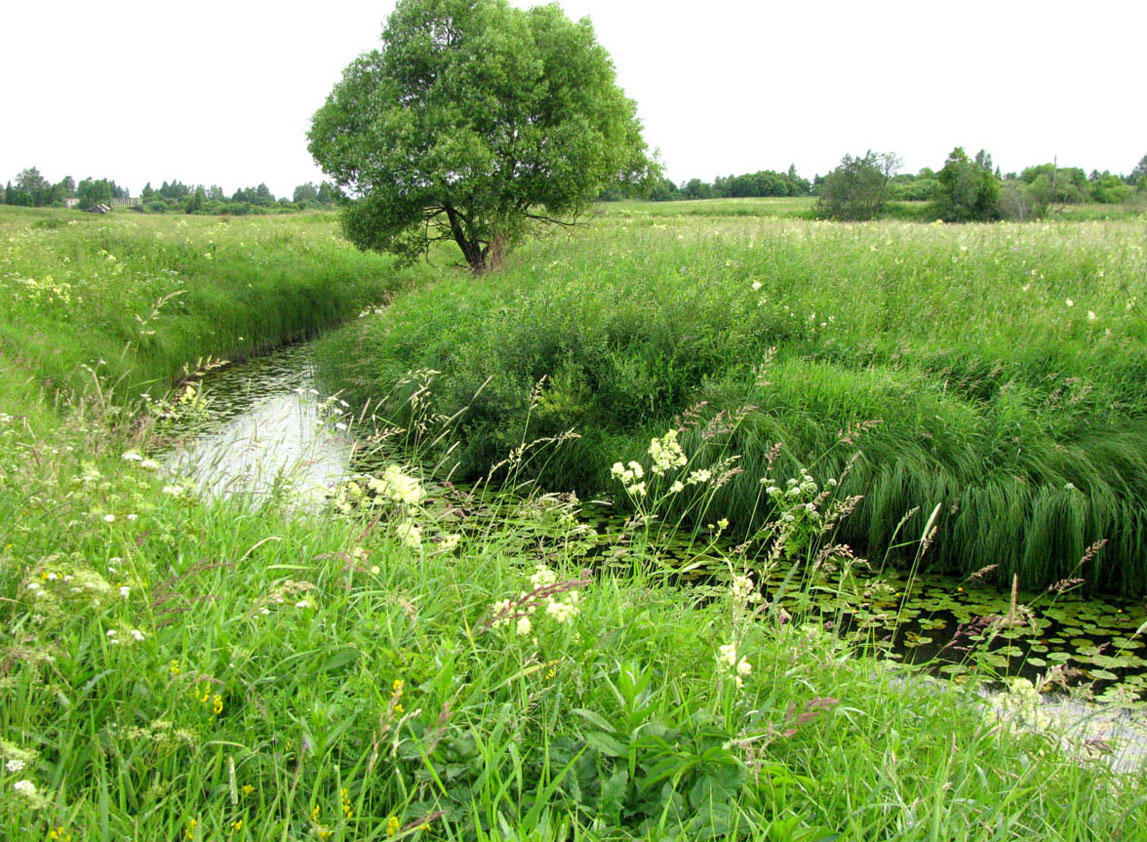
[(473, 119)]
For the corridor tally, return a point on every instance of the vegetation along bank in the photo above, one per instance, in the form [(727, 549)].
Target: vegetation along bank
[(178, 667), (995, 370)]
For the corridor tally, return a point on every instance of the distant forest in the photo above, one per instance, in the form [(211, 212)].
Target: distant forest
[(31, 189), (964, 189)]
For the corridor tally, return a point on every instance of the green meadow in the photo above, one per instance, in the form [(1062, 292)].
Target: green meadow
[(420, 661), (997, 370)]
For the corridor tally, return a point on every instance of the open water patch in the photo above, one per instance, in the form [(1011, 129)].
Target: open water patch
[(265, 429)]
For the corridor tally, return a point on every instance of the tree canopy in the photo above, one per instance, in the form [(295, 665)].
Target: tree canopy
[(473, 119), (856, 190)]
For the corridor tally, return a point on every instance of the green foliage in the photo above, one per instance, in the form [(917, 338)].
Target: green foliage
[(194, 669), (999, 397), (135, 297), (1138, 175), (473, 119), (969, 190), (856, 189)]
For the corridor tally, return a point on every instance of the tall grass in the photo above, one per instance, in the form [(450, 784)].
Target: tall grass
[(180, 668), (1004, 363), (137, 297)]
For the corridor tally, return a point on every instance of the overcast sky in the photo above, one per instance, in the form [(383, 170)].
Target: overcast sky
[(218, 92)]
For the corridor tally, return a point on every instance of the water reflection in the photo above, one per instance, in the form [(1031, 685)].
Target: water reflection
[(269, 431)]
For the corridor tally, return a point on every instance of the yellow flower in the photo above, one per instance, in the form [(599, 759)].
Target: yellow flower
[(217, 704), (237, 825), (173, 667), (248, 789), (392, 826), (191, 825)]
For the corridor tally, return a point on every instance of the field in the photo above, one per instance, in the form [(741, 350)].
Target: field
[(997, 370), (426, 667)]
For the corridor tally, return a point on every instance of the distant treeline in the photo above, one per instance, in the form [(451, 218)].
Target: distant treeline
[(31, 189), (969, 189), (859, 187)]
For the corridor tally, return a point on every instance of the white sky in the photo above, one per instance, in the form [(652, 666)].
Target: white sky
[(222, 93)]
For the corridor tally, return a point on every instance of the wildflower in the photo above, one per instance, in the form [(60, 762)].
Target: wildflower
[(173, 667), (700, 476), (248, 789), (449, 542), (744, 590), (347, 811), (628, 475), (237, 825), (1091, 316), (398, 486), (392, 826), (124, 591), (676, 487), (25, 788), (727, 655), (60, 834), (112, 636), (191, 825), (562, 611), (666, 453), (149, 465), (109, 518), (217, 704), (410, 534), (543, 577), (132, 456), (637, 489), (137, 635), (14, 766), (303, 603), (1069, 302), (757, 285)]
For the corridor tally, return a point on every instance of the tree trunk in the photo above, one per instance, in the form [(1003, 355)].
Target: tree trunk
[(474, 253)]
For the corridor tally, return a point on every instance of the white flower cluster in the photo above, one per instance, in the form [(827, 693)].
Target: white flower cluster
[(666, 453), (560, 606), (631, 476), (739, 667), (700, 476), (744, 590), (409, 533), (397, 486)]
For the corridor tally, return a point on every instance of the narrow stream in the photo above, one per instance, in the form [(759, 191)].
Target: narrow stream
[(270, 431)]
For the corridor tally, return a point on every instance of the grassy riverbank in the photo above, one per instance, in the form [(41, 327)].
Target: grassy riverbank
[(175, 668), (183, 669), (136, 298), (999, 369)]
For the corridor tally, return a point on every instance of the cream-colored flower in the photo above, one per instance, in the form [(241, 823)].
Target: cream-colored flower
[(409, 533)]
